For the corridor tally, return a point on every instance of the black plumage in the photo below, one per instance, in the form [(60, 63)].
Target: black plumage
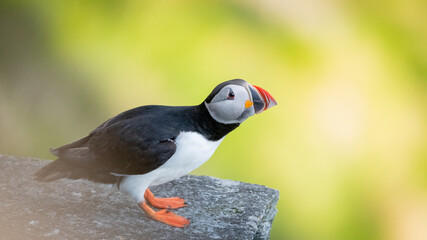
[(134, 142)]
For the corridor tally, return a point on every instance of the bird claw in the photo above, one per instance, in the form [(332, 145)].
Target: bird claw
[(165, 216), (164, 203)]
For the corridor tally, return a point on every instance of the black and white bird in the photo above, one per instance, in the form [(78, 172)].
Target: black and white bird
[(152, 145)]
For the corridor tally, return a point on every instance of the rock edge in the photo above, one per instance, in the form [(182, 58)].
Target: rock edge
[(67, 209)]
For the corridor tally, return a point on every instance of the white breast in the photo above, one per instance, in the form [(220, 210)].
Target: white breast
[(192, 150)]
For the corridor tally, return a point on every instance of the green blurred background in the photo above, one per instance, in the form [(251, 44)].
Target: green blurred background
[(346, 146)]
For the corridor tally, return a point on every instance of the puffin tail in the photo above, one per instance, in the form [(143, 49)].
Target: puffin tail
[(53, 171)]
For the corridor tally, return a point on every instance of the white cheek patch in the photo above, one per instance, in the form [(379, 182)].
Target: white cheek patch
[(247, 113), (224, 112), (229, 111)]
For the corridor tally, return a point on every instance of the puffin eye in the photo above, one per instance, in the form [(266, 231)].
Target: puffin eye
[(230, 95)]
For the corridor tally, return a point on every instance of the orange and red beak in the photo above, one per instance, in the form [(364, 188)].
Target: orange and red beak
[(262, 100)]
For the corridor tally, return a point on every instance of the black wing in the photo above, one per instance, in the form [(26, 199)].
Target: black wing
[(134, 142)]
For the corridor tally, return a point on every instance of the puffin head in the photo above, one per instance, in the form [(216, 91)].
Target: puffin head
[(236, 100)]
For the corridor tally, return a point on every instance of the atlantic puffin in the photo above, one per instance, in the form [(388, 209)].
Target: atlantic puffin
[(152, 145)]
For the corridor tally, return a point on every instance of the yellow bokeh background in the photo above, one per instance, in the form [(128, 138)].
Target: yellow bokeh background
[(346, 146)]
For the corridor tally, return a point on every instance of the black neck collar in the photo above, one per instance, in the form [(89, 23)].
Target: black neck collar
[(209, 127)]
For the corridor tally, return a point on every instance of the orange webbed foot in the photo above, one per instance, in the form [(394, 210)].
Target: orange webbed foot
[(166, 203), (165, 216)]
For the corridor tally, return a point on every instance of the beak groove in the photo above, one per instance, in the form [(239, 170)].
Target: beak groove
[(262, 99)]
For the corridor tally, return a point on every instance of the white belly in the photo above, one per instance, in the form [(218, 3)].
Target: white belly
[(192, 150)]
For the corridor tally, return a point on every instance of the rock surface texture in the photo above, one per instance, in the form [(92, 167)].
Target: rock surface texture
[(67, 209)]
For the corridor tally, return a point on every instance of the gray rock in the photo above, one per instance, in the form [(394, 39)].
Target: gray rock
[(67, 209)]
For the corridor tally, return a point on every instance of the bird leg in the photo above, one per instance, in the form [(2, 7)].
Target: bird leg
[(166, 203), (165, 216)]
